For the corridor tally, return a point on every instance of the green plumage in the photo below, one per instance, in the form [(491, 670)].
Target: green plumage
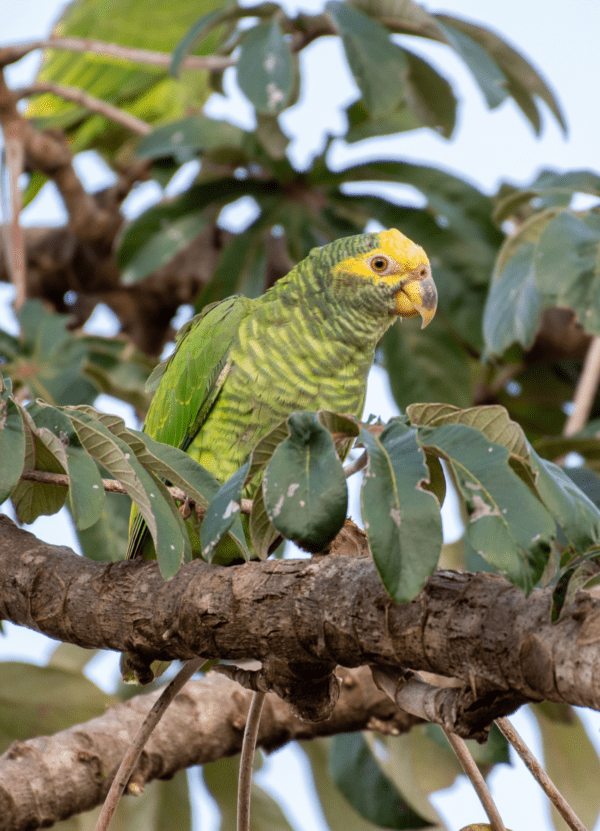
[(242, 366)]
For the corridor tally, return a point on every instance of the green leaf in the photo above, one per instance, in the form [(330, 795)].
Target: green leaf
[(193, 201), (191, 136), (50, 359), (265, 70), (237, 263), (508, 526), (221, 779), (361, 126), (513, 310), (193, 36), (176, 467), (163, 804), (338, 813), (548, 183), (343, 429), (355, 771), (106, 540), (379, 66), (426, 365), (492, 420), (418, 765), (162, 246), (572, 762), (567, 265), (44, 452), (222, 513), (401, 518), (86, 493), (491, 80), (430, 96), (304, 487), (577, 574), (71, 658), (465, 209), (141, 90), (587, 481), (25, 691), (263, 534), (264, 537), (171, 540), (577, 515), (12, 444), (117, 369), (523, 81)]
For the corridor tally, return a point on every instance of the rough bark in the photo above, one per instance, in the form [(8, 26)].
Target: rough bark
[(47, 779), (308, 615)]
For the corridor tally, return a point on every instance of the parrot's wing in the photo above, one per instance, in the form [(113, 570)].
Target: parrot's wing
[(192, 377), (189, 382)]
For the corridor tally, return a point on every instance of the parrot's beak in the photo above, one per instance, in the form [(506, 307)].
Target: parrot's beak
[(417, 294)]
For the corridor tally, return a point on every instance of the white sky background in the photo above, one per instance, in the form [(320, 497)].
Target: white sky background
[(561, 40)]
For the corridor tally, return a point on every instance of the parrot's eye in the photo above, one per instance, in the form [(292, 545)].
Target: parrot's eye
[(379, 263)]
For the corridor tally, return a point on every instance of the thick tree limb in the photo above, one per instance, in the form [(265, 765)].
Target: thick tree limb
[(308, 616), (47, 779)]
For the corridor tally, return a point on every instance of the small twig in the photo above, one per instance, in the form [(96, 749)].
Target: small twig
[(474, 774), (111, 486), (96, 105), (586, 389), (247, 761), (143, 734), (358, 464), (11, 54), (547, 785)]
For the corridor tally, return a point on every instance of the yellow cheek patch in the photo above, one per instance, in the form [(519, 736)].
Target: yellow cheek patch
[(395, 246)]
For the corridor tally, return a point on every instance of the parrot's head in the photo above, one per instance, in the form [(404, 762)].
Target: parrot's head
[(401, 266)]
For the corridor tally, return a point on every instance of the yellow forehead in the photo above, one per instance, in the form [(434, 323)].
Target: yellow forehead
[(402, 249), (394, 245)]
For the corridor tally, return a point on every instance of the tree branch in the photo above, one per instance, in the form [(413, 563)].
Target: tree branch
[(96, 105), (112, 486), (14, 240), (47, 779), (300, 618), (13, 53)]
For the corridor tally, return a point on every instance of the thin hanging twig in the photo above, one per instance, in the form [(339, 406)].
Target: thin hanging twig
[(547, 785), (247, 761), (135, 748), (475, 777)]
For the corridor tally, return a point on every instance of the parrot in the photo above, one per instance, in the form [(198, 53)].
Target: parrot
[(243, 365)]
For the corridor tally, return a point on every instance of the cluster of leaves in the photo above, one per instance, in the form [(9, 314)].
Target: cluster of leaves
[(514, 499), (48, 361), (552, 259)]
